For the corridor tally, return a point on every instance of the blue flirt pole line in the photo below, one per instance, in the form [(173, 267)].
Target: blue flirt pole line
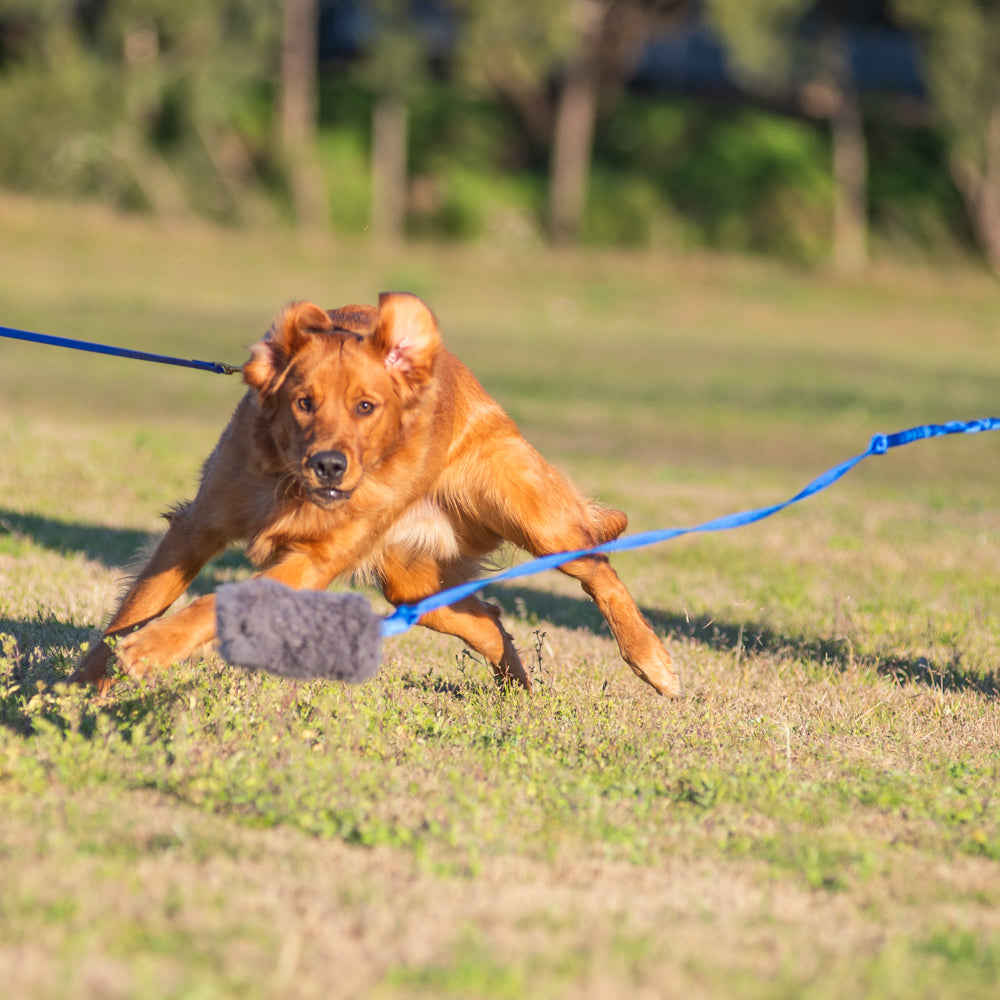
[(407, 615), (12, 333)]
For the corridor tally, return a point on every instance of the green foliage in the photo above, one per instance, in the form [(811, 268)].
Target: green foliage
[(740, 180), (914, 207), (345, 161), (961, 46), (627, 210), (759, 34), (521, 40), (63, 122), (142, 108), (669, 174), (169, 108)]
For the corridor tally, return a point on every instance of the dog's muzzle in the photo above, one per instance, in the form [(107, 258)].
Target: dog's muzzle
[(327, 469)]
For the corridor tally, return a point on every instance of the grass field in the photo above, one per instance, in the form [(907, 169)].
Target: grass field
[(818, 817)]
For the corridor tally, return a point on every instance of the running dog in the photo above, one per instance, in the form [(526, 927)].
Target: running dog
[(362, 446)]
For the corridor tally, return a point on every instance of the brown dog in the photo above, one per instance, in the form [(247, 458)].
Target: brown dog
[(363, 446)]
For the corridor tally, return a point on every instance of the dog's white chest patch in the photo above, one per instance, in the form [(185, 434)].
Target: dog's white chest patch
[(424, 529)]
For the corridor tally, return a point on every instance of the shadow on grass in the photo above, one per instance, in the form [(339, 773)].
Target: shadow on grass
[(116, 548), (35, 632), (113, 547), (756, 638), (39, 663)]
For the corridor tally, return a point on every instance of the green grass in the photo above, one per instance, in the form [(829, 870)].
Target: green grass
[(818, 817)]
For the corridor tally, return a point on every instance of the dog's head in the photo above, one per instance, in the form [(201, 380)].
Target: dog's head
[(333, 388)]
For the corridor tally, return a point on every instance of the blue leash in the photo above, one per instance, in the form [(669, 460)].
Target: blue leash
[(407, 615), (119, 352)]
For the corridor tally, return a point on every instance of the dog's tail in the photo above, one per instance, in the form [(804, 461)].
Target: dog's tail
[(606, 522)]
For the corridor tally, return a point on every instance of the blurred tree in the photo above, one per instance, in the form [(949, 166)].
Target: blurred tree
[(163, 82), (609, 34), (298, 110), (186, 66), (585, 48), (395, 68), (961, 46), (773, 52), (55, 103)]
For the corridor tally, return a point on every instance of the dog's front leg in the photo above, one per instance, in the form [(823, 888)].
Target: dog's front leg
[(167, 640), (174, 638), (181, 553)]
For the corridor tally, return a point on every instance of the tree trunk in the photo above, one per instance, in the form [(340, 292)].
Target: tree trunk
[(850, 167), (572, 146), (980, 188), (299, 108), (389, 177), (850, 179)]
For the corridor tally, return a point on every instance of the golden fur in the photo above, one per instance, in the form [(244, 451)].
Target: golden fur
[(363, 446)]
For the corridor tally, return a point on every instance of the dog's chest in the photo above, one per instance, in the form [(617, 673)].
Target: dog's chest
[(423, 530)]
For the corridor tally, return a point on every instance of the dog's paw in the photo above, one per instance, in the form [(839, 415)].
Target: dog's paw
[(135, 656), (96, 668), (512, 675), (659, 672)]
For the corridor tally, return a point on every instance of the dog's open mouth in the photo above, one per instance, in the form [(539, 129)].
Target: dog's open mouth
[(328, 496)]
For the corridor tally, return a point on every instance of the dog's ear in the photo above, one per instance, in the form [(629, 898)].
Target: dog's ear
[(407, 336), (270, 357)]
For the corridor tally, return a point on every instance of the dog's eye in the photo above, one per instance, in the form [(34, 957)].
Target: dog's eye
[(364, 408), (305, 404)]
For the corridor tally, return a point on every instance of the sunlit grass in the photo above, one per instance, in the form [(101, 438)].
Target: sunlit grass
[(818, 816)]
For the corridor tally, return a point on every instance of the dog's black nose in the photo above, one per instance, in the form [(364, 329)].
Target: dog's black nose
[(329, 466)]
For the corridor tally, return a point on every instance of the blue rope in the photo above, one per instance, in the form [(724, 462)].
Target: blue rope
[(406, 615), (119, 352)]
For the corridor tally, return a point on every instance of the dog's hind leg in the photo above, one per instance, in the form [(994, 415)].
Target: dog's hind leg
[(477, 624), (536, 508), (640, 648), (473, 621)]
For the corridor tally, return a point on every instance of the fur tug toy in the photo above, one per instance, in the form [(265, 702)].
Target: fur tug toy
[(305, 634), (264, 625)]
